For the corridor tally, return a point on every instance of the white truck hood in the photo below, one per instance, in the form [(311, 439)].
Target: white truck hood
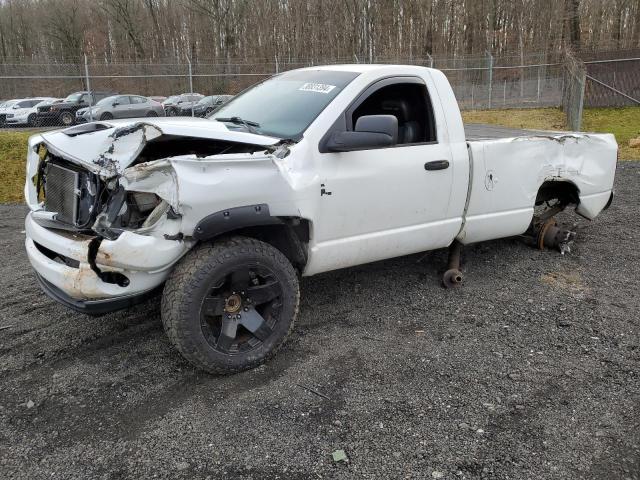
[(108, 147)]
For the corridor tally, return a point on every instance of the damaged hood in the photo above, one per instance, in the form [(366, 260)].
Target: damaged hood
[(108, 147)]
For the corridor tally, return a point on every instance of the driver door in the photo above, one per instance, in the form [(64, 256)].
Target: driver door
[(123, 107), (379, 203)]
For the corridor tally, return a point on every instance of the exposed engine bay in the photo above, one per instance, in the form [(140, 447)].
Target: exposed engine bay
[(96, 201)]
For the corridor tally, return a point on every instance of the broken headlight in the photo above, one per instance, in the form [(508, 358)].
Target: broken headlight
[(138, 206)]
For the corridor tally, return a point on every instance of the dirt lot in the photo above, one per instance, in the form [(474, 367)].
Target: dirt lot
[(529, 371)]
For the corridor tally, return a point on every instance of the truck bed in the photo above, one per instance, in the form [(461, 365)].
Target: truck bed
[(475, 132), (508, 166)]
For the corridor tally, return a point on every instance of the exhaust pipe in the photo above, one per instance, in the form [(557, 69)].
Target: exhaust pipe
[(453, 276)]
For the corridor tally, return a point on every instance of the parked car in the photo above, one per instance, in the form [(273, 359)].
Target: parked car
[(312, 170), (6, 108), (207, 105), (176, 104), (120, 106), (24, 112), (65, 112)]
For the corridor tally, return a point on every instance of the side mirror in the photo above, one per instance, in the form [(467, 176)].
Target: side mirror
[(372, 131), (115, 104)]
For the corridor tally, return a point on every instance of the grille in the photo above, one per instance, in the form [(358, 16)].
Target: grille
[(61, 195), (3, 117)]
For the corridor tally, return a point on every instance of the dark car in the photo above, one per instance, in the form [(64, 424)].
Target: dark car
[(65, 112), (208, 105), (177, 104)]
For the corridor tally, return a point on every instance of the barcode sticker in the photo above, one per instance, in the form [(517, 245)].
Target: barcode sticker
[(317, 87)]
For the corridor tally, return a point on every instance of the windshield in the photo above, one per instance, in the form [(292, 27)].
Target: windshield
[(74, 97), (172, 99), (106, 101), (204, 100), (285, 105)]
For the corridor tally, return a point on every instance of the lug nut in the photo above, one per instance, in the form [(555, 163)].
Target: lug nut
[(246, 309)]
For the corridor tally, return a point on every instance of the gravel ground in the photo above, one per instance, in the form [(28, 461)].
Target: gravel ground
[(528, 371)]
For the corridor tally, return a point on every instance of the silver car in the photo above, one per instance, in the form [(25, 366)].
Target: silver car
[(120, 106)]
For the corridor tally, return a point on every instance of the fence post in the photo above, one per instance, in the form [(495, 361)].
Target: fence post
[(86, 74), (490, 61), (573, 92), (190, 83), (504, 93), (538, 84), (277, 67), (430, 60)]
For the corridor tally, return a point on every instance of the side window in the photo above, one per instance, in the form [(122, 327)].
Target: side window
[(409, 103), (138, 100), (123, 100)]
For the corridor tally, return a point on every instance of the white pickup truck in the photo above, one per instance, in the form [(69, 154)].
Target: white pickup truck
[(309, 171)]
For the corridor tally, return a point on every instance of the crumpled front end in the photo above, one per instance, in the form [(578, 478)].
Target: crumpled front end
[(104, 231)]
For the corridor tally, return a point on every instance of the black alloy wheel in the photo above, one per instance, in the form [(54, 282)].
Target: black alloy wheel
[(230, 305), (241, 309)]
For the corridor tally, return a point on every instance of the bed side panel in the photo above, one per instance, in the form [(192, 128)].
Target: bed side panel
[(507, 174)]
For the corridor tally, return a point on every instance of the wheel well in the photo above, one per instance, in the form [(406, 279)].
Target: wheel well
[(291, 237), (564, 191)]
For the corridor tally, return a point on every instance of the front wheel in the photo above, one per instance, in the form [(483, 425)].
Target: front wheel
[(67, 118), (229, 306)]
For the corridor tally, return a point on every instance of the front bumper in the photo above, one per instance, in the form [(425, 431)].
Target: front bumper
[(61, 260), (93, 307), (16, 120), (48, 118)]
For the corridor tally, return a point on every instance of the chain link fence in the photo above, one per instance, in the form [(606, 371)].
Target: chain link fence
[(480, 81)]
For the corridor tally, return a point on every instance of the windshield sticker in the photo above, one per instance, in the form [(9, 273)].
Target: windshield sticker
[(317, 87)]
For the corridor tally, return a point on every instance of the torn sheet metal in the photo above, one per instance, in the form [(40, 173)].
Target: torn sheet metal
[(124, 146), (508, 172), (157, 177), (105, 152), (109, 151)]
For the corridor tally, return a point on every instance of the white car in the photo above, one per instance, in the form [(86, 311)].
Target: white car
[(309, 171), (5, 107), (24, 111)]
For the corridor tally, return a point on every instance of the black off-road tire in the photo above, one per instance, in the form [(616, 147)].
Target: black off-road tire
[(189, 285)]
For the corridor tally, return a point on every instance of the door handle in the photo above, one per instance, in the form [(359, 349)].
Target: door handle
[(437, 165)]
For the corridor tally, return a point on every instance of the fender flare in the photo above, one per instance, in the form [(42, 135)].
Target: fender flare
[(232, 219)]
